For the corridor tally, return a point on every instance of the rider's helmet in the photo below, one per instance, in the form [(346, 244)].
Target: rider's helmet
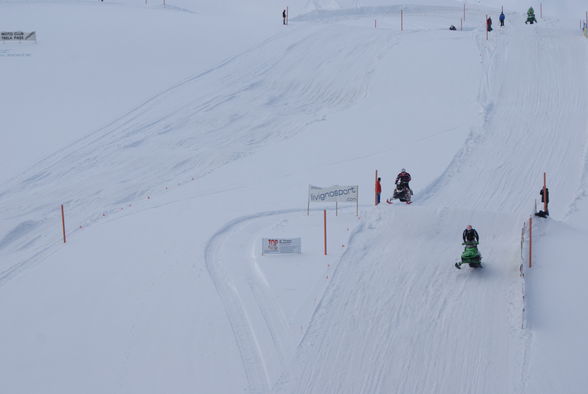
[(469, 227), (403, 170)]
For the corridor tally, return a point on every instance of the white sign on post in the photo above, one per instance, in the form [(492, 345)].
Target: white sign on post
[(281, 245), (334, 194)]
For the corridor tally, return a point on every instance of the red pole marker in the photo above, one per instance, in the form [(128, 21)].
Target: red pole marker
[(544, 192), (63, 224), (486, 23), (376, 189), (530, 242), (325, 229)]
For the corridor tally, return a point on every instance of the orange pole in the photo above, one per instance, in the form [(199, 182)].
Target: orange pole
[(545, 192), (375, 190), (325, 229), (486, 24), (63, 224), (530, 242)]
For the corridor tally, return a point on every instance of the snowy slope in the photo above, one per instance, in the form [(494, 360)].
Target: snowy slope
[(161, 287)]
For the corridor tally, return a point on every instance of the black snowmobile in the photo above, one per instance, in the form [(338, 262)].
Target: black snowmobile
[(402, 193)]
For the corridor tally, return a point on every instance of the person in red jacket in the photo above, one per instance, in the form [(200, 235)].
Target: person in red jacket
[(378, 190)]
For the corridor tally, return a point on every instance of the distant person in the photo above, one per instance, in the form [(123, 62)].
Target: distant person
[(501, 18), (470, 235), (378, 190), (544, 199), (284, 15), (452, 27), (489, 24)]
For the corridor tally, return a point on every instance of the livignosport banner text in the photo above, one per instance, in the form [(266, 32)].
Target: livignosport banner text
[(281, 245), (18, 36)]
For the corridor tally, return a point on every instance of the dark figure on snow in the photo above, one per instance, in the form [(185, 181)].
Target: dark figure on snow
[(284, 15), (501, 18), (403, 178), (489, 24), (531, 16), (378, 190), (470, 234), (452, 27), (544, 199)]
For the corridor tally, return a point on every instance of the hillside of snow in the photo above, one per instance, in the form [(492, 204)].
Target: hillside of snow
[(178, 136)]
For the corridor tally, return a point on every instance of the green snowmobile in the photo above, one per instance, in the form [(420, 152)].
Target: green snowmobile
[(471, 255)]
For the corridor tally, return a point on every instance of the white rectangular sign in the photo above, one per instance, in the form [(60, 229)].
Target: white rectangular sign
[(281, 245), (18, 36), (332, 193)]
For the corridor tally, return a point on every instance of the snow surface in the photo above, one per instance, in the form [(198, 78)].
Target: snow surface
[(177, 137)]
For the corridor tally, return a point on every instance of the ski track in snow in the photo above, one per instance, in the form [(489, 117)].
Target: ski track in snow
[(376, 298), (521, 111), (199, 125)]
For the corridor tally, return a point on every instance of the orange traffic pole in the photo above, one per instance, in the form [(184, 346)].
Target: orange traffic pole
[(325, 229), (545, 192), (63, 224), (530, 242)]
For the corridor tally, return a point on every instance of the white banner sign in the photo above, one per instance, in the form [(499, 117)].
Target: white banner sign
[(281, 245), (332, 193), (18, 36)]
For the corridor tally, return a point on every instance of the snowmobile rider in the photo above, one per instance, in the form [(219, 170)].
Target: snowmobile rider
[(403, 178), (470, 234)]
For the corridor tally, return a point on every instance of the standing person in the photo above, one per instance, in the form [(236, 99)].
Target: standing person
[(544, 199), (284, 15), (502, 17), (489, 24), (470, 234), (378, 191)]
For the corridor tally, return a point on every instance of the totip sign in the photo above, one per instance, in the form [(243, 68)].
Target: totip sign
[(281, 245)]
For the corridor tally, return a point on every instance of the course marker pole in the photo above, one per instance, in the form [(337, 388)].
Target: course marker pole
[(63, 224), (325, 230), (486, 25), (530, 242), (401, 20), (375, 191), (545, 192)]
